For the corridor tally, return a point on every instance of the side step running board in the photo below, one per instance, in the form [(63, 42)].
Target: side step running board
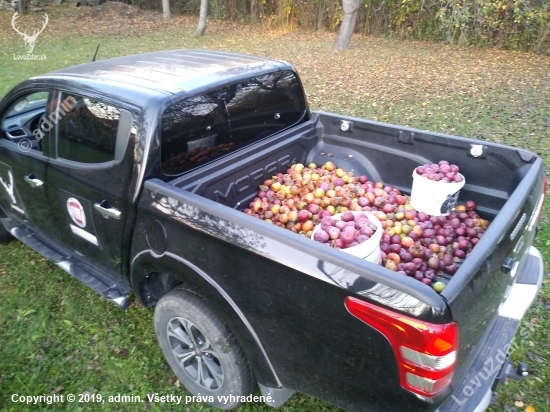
[(113, 292), (38, 245)]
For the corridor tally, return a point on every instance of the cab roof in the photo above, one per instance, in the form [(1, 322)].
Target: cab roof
[(173, 71)]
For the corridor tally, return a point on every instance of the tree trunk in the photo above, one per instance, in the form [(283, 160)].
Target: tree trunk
[(201, 27), (166, 9), (320, 15), (252, 11), (232, 10), (348, 24), (292, 15), (23, 7)]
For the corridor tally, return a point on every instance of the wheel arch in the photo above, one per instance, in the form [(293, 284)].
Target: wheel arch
[(153, 276)]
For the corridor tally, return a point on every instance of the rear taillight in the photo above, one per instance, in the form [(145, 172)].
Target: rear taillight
[(425, 352)]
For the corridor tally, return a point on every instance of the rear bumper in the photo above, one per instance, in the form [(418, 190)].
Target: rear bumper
[(475, 391)]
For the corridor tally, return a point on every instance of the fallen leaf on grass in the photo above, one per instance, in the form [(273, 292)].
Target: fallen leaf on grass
[(58, 389), (122, 352)]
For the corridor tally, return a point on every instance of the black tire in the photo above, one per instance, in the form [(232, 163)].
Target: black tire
[(180, 317), (5, 236)]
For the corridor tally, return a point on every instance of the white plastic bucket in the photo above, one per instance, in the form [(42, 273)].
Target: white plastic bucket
[(434, 198), (369, 250)]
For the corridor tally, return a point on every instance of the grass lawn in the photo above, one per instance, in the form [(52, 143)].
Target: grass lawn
[(57, 336)]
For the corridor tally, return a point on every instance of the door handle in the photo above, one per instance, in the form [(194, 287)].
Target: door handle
[(106, 210), (34, 182)]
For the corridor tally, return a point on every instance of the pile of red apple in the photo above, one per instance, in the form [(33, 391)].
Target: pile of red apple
[(413, 243), (199, 154), (350, 230), (440, 172)]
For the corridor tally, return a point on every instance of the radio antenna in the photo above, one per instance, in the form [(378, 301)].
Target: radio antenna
[(95, 54)]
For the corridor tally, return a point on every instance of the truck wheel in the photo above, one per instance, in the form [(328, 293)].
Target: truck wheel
[(201, 350), (5, 236)]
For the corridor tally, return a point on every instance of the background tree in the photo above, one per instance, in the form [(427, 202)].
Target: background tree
[(511, 24), (23, 7), (166, 9), (201, 27), (348, 24)]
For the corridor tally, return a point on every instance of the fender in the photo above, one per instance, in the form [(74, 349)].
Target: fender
[(153, 275)]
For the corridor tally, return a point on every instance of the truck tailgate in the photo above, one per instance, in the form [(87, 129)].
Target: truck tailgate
[(496, 284)]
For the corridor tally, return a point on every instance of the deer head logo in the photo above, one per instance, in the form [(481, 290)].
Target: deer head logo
[(29, 39)]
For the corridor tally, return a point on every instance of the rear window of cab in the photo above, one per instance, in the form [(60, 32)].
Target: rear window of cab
[(201, 128)]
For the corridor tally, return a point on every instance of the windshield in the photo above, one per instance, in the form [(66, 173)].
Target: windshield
[(28, 103)]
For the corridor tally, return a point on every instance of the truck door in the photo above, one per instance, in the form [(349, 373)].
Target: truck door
[(89, 177), (24, 159)]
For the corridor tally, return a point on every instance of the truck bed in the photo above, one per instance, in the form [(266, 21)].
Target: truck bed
[(505, 182)]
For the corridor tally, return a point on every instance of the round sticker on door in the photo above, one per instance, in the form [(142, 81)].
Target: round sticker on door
[(76, 212)]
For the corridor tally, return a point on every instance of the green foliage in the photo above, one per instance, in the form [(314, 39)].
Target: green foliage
[(519, 24), (513, 24)]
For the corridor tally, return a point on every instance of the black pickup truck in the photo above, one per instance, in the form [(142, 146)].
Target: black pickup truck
[(132, 174)]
